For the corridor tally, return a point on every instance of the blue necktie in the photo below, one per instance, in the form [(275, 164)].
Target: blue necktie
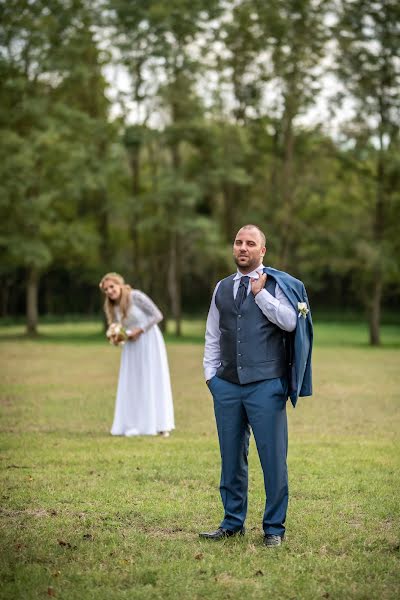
[(242, 291)]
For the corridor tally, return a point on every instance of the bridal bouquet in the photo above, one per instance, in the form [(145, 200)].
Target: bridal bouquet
[(116, 334)]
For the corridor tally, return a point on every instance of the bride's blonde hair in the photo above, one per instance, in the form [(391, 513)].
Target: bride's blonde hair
[(124, 300)]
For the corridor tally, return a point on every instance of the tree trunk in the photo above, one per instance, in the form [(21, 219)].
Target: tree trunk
[(375, 312), (174, 270), (135, 168), (378, 235), (32, 288), (104, 231), (174, 282), (287, 188), (5, 295), (105, 249), (229, 218), (274, 171)]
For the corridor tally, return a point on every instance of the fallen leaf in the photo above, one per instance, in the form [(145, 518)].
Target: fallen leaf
[(199, 556), (50, 591)]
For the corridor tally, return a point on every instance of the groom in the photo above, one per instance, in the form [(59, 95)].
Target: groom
[(257, 353)]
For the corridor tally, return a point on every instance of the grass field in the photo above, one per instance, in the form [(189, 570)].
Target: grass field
[(88, 516)]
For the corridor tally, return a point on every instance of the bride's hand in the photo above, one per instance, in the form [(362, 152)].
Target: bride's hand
[(135, 334)]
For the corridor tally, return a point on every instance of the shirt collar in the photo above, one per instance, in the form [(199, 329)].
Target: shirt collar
[(254, 274)]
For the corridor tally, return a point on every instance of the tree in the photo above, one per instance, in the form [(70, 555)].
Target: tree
[(368, 39), (54, 137), (155, 38)]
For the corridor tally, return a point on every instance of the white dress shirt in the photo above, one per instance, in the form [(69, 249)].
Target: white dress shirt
[(277, 309)]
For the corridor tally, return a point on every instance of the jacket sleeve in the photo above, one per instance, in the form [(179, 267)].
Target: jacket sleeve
[(300, 374), (306, 384)]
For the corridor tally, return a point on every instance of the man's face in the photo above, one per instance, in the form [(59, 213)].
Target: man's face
[(112, 290), (248, 250)]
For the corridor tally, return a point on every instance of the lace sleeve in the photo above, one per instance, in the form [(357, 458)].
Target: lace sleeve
[(152, 312)]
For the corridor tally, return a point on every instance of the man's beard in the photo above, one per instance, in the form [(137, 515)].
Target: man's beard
[(250, 265)]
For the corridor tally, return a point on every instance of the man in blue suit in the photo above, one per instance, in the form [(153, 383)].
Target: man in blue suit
[(257, 354)]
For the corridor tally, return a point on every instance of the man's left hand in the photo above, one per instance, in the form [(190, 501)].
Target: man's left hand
[(258, 284)]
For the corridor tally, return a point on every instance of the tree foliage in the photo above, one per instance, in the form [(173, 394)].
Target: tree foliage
[(210, 135)]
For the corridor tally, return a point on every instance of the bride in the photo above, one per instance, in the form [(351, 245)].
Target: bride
[(144, 398)]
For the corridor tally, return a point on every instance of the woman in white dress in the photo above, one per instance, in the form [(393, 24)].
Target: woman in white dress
[(144, 398)]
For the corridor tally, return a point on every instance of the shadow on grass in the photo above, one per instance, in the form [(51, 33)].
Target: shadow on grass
[(336, 334), (62, 338), (332, 334), (385, 345), (86, 338)]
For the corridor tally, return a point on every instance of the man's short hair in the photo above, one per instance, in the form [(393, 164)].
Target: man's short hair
[(262, 234)]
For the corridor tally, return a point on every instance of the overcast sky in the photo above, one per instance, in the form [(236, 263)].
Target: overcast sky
[(323, 111)]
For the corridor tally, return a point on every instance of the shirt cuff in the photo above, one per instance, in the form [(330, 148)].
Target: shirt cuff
[(264, 297), (209, 374)]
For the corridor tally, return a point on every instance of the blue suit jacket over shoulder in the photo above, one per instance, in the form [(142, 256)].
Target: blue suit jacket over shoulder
[(300, 340)]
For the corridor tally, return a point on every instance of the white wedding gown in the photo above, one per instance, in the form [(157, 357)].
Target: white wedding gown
[(144, 398)]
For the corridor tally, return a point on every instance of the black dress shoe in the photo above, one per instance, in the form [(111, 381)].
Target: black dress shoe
[(272, 540), (221, 534)]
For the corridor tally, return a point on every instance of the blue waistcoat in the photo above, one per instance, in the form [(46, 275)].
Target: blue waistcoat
[(251, 347)]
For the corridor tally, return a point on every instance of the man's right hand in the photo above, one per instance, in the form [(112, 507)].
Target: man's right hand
[(258, 284)]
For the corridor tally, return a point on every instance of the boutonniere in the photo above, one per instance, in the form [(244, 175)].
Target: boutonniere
[(303, 310)]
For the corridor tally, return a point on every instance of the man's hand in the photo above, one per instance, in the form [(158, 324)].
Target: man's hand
[(258, 284)]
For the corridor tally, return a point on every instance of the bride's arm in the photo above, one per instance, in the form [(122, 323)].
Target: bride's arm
[(152, 312)]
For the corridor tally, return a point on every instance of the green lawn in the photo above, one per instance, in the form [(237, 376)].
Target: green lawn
[(88, 516)]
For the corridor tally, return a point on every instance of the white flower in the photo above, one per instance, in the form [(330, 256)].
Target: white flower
[(116, 334), (303, 309)]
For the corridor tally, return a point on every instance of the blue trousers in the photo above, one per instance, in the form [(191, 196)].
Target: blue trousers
[(261, 406)]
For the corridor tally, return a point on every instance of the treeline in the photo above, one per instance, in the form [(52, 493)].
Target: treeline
[(217, 94)]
